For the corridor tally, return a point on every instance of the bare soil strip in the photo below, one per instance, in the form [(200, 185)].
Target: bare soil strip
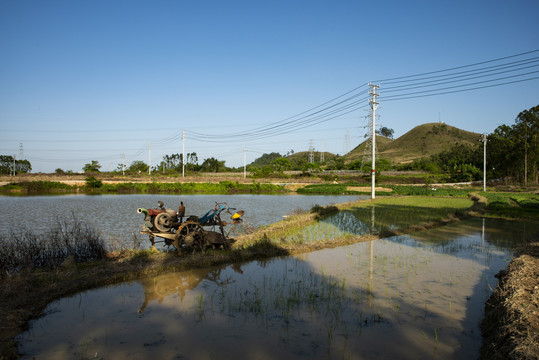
[(511, 324)]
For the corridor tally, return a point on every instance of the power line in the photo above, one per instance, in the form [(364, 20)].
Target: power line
[(458, 67)]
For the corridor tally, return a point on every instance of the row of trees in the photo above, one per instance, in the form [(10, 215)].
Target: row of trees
[(171, 164), (10, 165)]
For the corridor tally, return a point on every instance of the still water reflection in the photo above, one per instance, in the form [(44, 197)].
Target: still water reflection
[(116, 218), (406, 297)]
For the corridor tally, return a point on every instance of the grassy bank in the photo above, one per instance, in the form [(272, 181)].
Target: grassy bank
[(512, 205), (95, 186)]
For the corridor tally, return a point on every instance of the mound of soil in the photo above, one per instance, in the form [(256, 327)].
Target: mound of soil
[(511, 324)]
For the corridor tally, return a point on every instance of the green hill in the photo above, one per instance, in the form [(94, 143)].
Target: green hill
[(422, 141)]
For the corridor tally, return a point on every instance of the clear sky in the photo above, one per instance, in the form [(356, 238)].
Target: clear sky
[(90, 80)]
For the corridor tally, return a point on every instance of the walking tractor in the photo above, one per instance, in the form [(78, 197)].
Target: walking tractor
[(169, 225)]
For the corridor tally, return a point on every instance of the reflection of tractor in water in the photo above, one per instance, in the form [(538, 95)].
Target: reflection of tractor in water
[(168, 224), (160, 287)]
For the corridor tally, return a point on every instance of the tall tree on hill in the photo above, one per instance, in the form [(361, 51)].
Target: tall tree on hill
[(527, 127), (513, 150), (385, 131)]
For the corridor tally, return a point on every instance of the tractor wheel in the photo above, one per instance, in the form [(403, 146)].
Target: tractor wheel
[(191, 235), (163, 222)]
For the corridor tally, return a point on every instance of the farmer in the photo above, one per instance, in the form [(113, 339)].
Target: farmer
[(181, 211)]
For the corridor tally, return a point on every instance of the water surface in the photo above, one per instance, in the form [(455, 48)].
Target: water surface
[(407, 297), (116, 218)]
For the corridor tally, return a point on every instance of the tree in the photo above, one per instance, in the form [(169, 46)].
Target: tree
[(138, 166), (527, 127), (6, 165), (513, 151), (281, 164), (23, 166), (265, 159), (212, 165), (385, 131), (92, 167)]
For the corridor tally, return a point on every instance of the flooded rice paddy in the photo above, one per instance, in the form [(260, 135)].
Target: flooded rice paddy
[(407, 297), (116, 218)]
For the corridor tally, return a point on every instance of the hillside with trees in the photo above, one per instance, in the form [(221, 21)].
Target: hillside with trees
[(422, 141)]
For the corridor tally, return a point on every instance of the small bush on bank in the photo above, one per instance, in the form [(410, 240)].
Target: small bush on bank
[(322, 211)]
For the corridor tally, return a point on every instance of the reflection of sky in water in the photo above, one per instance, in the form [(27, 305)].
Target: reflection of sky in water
[(116, 217), (408, 297)]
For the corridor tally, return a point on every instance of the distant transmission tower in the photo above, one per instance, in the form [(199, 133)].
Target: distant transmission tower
[(311, 151), (21, 153), (347, 142)]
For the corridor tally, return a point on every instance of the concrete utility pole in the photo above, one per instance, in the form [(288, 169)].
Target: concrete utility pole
[(374, 106), (183, 153), (150, 158), (484, 141)]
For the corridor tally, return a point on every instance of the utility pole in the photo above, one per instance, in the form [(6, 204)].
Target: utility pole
[(244, 162), (373, 105), (484, 141), (14, 173), (150, 158), (183, 153)]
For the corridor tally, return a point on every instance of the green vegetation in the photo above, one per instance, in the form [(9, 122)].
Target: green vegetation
[(223, 187), (97, 186), (92, 167), (513, 205), (37, 187), (339, 189), (93, 183)]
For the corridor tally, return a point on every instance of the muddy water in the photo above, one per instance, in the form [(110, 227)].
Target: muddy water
[(406, 297), (116, 218)]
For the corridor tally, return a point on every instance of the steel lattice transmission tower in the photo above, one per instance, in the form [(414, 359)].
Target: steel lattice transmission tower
[(311, 152)]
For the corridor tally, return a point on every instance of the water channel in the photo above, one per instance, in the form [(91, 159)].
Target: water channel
[(408, 297)]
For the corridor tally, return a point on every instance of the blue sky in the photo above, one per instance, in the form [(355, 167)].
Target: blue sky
[(90, 80)]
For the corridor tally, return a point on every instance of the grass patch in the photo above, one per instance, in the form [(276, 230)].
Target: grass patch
[(405, 190), (513, 205)]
